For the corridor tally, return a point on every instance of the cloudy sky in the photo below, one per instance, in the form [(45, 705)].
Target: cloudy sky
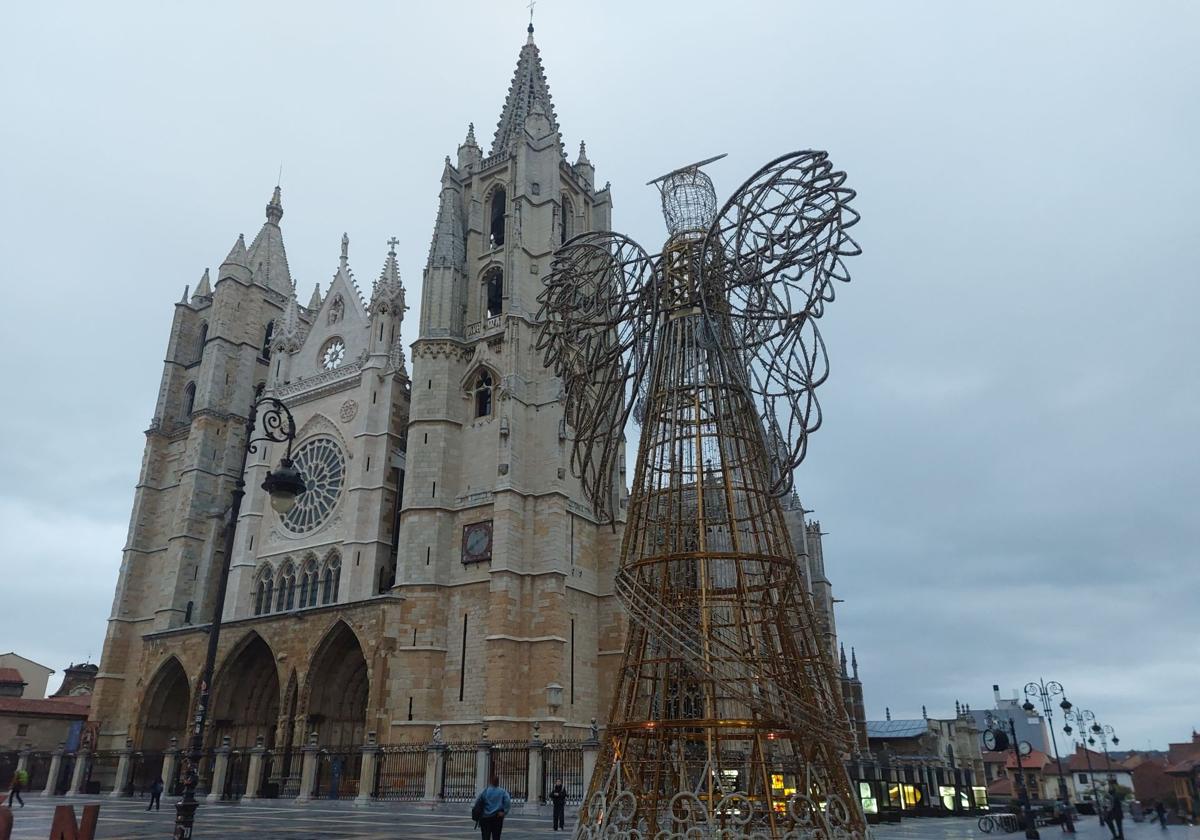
[(1008, 468)]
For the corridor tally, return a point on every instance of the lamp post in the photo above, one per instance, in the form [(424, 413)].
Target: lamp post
[(1081, 718), (1104, 732), (1047, 691), (284, 484)]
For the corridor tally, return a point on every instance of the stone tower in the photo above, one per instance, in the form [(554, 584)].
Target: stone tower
[(506, 569), (218, 354)]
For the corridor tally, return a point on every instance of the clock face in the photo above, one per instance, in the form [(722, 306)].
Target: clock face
[(333, 353), (477, 542)]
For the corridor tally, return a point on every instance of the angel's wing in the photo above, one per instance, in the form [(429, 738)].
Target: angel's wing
[(777, 246), (597, 312)]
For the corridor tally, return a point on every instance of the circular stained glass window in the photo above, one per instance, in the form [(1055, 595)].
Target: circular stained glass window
[(321, 464)]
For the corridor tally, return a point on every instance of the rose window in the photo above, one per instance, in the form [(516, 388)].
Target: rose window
[(333, 353), (323, 468)]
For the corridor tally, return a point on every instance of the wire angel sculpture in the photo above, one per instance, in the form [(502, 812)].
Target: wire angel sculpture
[(727, 715)]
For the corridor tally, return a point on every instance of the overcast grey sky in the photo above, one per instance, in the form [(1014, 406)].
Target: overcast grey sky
[(1008, 466)]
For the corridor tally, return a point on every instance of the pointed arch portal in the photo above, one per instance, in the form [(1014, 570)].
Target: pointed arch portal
[(246, 695), (165, 707), (338, 683)]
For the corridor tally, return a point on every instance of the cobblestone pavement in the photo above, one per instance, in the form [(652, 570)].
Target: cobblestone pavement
[(127, 820)]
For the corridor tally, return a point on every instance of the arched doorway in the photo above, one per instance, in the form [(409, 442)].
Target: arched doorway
[(337, 690), (166, 704), (246, 696)]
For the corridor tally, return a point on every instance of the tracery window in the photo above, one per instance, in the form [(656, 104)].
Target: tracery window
[(483, 394), (189, 400), (331, 578), (308, 583), (285, 597), (493, 291), (202, 341), (267, 335), (321, 463), (496, 228), (263, 591), (566, 220)]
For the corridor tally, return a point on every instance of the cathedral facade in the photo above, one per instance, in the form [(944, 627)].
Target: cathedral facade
[(444, 568)]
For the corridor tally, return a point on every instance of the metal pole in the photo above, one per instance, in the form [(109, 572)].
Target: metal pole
[(185, 809), (1031, 831), (1047, 691)]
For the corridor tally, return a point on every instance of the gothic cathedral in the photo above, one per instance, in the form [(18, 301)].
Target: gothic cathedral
[(443, 567)]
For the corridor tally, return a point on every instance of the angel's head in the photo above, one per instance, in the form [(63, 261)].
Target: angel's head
[(689, 201)]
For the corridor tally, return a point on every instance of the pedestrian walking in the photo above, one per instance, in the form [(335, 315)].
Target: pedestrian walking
[(156, 789), (558, 798), (491, 805), (19, 781), (1160, 811), (1116, 816), (1063, 810)]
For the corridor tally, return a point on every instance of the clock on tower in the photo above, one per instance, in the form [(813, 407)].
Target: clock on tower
[(477, 542)]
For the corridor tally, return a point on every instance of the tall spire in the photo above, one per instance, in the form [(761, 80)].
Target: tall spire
[(854, 662), (529, 93), (843, 661), (389, 291), (448, 247), (267, 258)]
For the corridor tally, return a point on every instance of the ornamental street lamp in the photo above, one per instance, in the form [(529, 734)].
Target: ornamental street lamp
[(1105, 732), (1047, 691), (284, 485), (1081, 718)]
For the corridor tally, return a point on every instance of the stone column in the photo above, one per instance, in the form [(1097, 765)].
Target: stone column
[(533, 780), (591, 753), (308, 769), (220, 771), (170, 765), (254, 771), (82, 759), (435, 765), (55, 769), (483, 763), (23, 760), (366, 775), (123, 770)]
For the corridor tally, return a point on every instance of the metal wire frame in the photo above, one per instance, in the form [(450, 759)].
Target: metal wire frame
[(727, 714)]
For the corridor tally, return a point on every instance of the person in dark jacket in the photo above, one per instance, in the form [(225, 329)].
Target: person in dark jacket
[(1116, 815), (1160, 811), (558, 798), (156, 790)]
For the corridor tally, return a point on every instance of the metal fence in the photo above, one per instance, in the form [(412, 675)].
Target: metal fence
[(510, 761), (563, 761), (458, 773), (145, 769), (337, 774), (101, 773), (400, 773), (237, 774), (8, 766), (284, 778), (39, 770)]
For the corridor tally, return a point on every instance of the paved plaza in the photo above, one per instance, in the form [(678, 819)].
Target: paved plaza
[(278, 821)]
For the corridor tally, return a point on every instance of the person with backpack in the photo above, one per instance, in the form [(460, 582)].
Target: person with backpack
[(156, 790), (489, 809), (558, 798), (19, 780)]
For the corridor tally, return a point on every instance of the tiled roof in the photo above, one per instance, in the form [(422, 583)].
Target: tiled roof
[(897, 728), (11, 675), (1078, 762), (1184, 768), (50, 706)]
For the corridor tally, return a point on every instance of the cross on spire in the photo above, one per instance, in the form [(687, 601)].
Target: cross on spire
[(532, 3), (392, 243)]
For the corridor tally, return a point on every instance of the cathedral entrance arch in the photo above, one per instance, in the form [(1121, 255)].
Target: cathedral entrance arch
[(337, 686), (246, 695), (166, 705)]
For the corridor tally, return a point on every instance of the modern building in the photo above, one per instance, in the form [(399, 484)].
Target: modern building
[(1030, 726), (922, 766)]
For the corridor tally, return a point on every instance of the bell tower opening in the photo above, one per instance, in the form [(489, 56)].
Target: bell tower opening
[(493, 292), (496, 214)]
